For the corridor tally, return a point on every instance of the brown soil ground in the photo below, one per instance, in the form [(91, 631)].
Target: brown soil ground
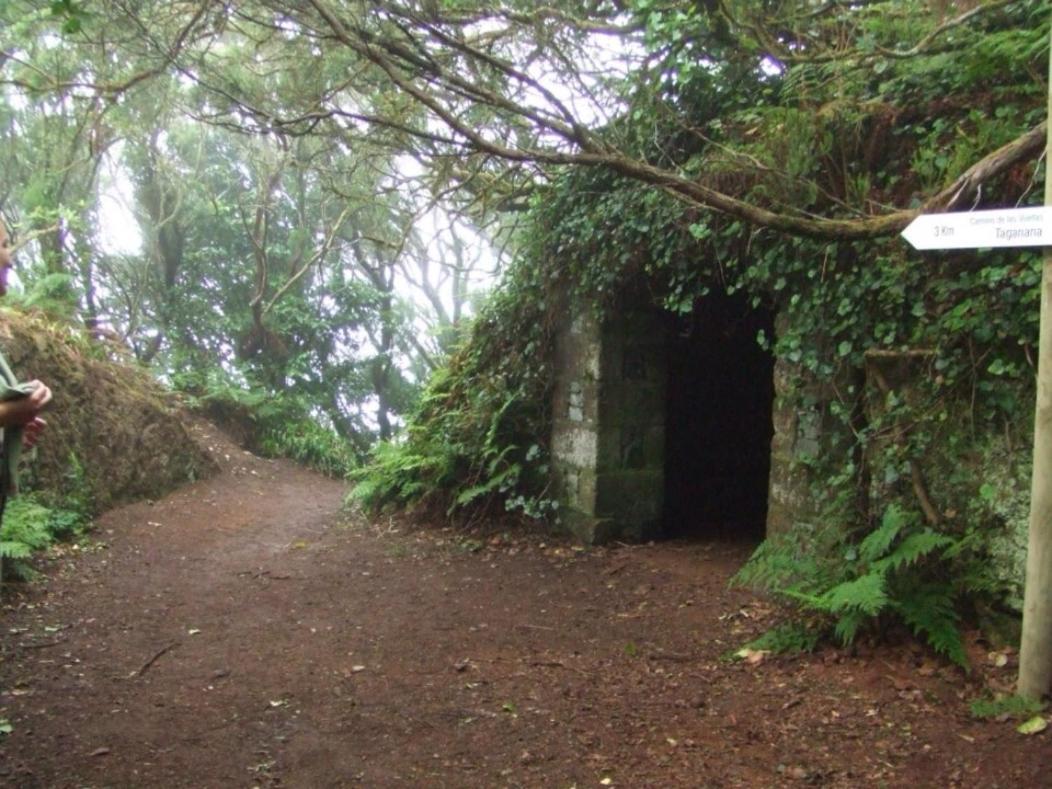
[(244, 632)]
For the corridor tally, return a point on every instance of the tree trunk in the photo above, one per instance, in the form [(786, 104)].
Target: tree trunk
[(382, 368)]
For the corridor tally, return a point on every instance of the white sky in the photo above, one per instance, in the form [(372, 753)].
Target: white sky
[(120, 231)]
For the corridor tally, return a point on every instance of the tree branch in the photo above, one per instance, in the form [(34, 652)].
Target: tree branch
[(594, 154)]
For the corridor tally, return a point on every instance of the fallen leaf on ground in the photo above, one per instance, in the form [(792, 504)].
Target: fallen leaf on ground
[(1035, 725), (997, 659), (753, 657)]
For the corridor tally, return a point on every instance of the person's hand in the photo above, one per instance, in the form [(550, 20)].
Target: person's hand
[(39, 397), (24, 410), (32, 431)]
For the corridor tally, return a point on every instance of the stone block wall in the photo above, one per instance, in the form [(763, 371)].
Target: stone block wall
[(801, 433), (575, 424), (797, 436), (608, 433)]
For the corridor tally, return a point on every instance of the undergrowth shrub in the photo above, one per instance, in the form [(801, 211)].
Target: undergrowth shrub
[(306, 441), (477, 434), (274, 425), (37, 519), (29, 525), (904, 572), (53, 294)]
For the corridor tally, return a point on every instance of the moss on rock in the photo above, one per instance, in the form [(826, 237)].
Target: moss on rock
[(114, 433)]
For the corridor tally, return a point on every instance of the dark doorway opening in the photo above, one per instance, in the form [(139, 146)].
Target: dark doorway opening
[(719, 420)]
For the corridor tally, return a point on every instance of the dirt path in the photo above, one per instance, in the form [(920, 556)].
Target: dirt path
[(242, 633)]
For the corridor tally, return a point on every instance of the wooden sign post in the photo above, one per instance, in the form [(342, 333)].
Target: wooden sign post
[(1035, 652)]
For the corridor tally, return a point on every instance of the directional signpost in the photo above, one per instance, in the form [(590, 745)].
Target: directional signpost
[(1019, 227), (1011, 227)]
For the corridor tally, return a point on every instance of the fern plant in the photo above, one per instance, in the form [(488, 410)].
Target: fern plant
[(309, 443), (901, 571), (30, 526), (400, 474), (284, 425)]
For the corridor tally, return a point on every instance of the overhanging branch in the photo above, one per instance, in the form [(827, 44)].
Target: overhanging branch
[(589, 151)]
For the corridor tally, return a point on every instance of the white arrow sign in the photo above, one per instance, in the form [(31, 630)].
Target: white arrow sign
[(1010, 227)]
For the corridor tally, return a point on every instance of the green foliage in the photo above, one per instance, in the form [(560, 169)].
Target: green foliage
[(297, 436), (34, 521), (398, 475), (53, 294), (283, 425), (29, 526), (787, 639), (71, 14), (475, 435), (901, 571), (1016, 707)]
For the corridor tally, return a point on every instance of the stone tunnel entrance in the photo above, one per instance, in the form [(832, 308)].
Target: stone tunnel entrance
[(718, 423), (662, 425)]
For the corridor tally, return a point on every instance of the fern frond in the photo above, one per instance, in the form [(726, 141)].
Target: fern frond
[(783, 562), (498, 458), (411, 490), (806, 599), (10, 549), (877, 543), (914, 548), (848, 625), (865, 594), (929, 612)]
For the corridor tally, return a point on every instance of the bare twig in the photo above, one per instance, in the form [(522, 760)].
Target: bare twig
[(556, 664), (41, 644), (157, 655)]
